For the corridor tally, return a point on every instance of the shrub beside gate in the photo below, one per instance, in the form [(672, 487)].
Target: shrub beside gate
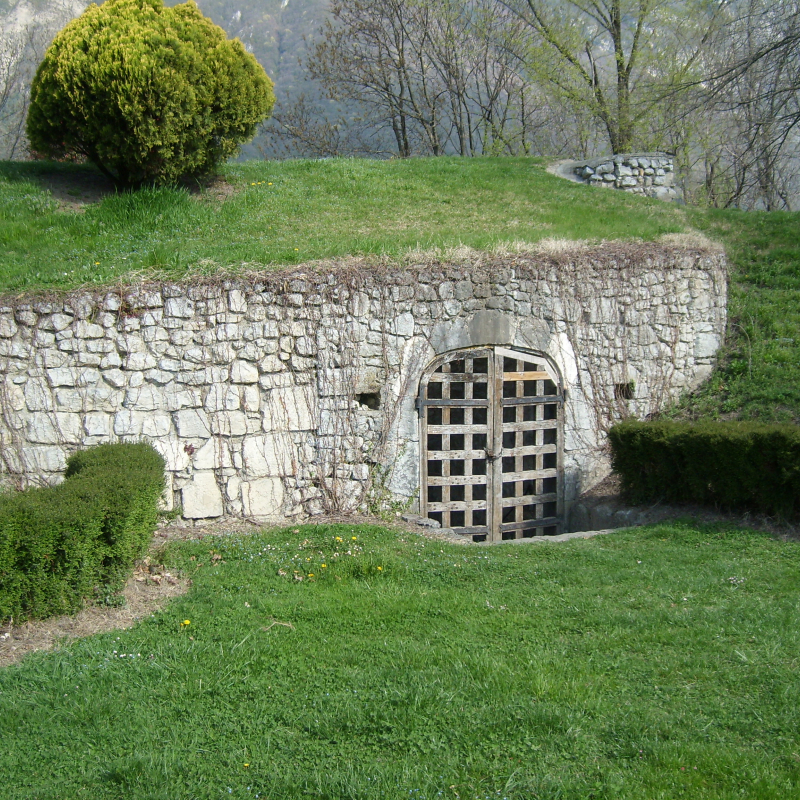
[(733, 465)]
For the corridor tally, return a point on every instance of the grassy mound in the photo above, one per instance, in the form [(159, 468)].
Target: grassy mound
[(293, 211)]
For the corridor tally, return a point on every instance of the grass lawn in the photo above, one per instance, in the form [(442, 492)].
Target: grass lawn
[(758, 373), (293, 211), (656, 663)]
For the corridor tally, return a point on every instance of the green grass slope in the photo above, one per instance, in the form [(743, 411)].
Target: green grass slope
[(657, 663), (758, 372), (284, 213)]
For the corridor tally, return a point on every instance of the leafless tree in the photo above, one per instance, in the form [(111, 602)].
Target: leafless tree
[(753, 90), (617, 58), (441, 77)]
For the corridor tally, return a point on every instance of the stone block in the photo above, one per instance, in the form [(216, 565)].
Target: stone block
[(179, 307), (287, 409), (128, 422), (38, 459), (61, 321), (140, 361), (263, 498), (62, 376), (144, 398), (173, 452), (404, 323), (37, 395), (214, 454), (156, 424), (176, 398), (706, 344), (70, 400), (54, 429), (229, 423), (222, 397), (111, 361), (7, 326), (244, 372), (192, 423), (267, 455), (88, 330), (251, 399), (202, 499), (98, 423)]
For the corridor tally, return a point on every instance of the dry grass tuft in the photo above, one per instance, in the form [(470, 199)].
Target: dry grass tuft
[(691, 240)]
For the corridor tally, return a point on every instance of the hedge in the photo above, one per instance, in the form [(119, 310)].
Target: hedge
[(733, 465), (62, 544)]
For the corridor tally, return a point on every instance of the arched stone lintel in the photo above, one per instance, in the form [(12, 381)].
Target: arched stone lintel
[(491, 327)]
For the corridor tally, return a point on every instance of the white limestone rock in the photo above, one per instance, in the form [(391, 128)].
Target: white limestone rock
[(267, 456), (192, 423), (202, 499), (263, 498)]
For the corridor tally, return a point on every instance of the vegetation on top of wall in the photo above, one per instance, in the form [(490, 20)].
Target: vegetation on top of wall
[(147, 93), (285, 213), (62, 544)]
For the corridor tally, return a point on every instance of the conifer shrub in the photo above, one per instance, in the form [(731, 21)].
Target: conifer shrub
[(149, 94), (63, 544), (733, 465)]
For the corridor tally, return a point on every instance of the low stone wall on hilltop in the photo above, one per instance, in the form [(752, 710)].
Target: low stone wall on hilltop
[(287, 393), (649, 174)]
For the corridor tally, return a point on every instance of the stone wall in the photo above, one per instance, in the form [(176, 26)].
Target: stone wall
[(281, 394), (650, 174)]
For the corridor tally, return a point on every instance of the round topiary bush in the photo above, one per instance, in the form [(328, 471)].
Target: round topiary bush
[(149, 94)]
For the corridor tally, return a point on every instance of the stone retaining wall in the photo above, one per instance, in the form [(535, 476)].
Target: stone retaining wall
[(650, 174), (283, 394)]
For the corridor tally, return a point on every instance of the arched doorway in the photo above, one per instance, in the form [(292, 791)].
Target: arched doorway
[(491, 441)]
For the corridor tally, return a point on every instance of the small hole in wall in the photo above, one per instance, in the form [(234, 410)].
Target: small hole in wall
[(369, 399), (624, 391)]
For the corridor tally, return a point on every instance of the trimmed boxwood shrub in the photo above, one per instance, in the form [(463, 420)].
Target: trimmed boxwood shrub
[(729, 464), (60, 545), (147, 92)]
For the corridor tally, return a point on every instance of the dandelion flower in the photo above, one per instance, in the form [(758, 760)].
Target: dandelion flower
[(324, 566), (310, 574), (246, 766), (353, 538), (185, 623), (380, 569)]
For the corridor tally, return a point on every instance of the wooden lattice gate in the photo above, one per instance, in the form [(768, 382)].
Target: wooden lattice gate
[(491, 444)]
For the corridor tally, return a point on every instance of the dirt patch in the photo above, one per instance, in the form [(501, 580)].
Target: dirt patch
[(74, 191), (215, 188), (149, 589)]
